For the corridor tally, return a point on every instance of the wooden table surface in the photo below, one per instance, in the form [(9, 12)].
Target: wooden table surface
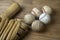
[(52, 31)]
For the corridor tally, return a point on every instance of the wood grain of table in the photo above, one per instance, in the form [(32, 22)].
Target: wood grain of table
[(52, 30)]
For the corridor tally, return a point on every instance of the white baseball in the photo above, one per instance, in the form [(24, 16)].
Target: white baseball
[(29, 18), (45, 18), (47, 9), (36, 12)]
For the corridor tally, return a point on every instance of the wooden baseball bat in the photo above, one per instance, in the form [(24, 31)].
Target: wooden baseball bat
[(11, 31), (7, 29), (4, 26), (15, 31), (10, 11)]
